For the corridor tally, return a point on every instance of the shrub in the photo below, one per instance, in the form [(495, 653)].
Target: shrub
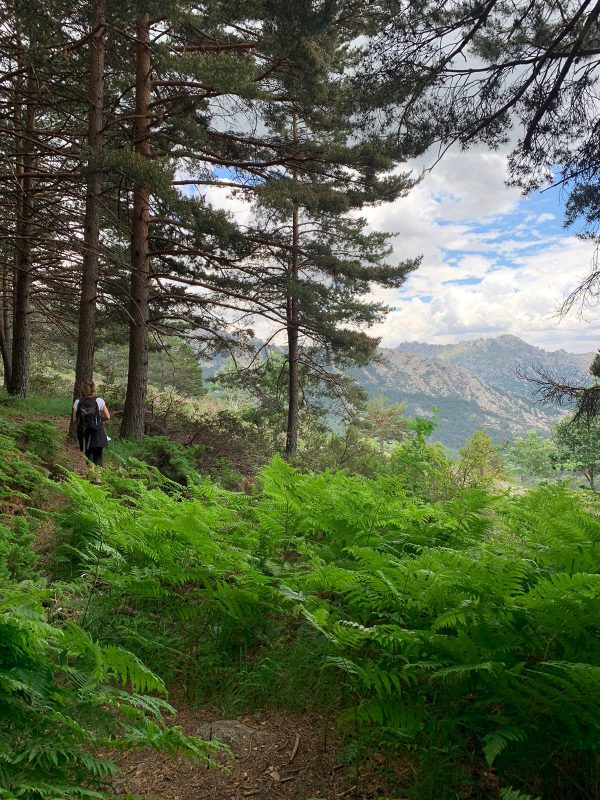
[(475, 643), (170, 576), (16, 556), (41, 438), (19, 476), (174, 461), (61, 707)]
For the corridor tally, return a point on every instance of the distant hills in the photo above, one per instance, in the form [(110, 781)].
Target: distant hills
[(474, 384)]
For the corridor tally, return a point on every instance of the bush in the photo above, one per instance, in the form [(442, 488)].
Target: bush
[(42, 438), (61, 707), (350, 451), (174, 461), (473, 641), (424, 468), (17, 559), (19, 476), (174, 575)]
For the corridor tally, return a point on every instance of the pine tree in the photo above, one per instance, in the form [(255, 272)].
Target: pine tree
[(384, 421), (317, 261), (84, 365)]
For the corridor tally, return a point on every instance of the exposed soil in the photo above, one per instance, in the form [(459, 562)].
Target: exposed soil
[(285, 756), (71, 456)]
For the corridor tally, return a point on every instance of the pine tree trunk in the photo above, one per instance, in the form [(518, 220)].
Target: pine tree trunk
[(291, 442), (7, 291), (5, 352), (137, 376), (5, 325), (84, 366), (21, 339), (292, 321)]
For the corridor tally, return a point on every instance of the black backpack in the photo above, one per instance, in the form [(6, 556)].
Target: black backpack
[(88, 417)]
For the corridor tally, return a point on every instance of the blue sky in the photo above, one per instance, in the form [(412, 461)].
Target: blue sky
[(494, 262)]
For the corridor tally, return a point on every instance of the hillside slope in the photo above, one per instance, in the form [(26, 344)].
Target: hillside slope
[(496, 361), (473, 384)]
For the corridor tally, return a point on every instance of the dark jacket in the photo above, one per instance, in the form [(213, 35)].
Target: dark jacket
[(96, 439)]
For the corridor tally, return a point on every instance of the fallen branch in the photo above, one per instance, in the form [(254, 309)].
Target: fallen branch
[(295, 748)]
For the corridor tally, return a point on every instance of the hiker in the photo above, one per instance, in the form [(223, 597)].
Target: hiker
[(90, 413)]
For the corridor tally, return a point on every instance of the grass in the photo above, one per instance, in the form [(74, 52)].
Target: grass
[(38, 404)]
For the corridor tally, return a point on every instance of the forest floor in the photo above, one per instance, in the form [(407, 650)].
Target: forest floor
[(274, 755)]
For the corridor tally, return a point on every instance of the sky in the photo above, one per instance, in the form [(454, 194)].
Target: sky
[(494, 262)]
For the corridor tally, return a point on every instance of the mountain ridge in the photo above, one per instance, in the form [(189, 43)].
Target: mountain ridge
[(473, 383)]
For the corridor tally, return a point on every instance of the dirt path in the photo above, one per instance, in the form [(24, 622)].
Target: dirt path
[(71, 454), (275, 755)]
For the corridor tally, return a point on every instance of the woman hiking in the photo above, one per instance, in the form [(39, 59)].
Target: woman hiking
[(90, 413)]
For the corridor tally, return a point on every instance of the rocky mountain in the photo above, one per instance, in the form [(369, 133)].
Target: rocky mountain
[(473, 384)]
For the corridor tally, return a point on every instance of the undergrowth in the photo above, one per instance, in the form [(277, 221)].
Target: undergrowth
[(66, 700), (458, 636)]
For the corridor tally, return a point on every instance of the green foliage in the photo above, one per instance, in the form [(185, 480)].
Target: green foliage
[(19, 476), (62, 708), (513, 794), (449, 625), (480, 461), (461, 634), (383, 421), (320, 450), (168, 575), (17, 559), (532, 457), (44, 404), (424, 468), (42, 438), (174, 461), (263, 390), (222, 445), (172, 364), (577, 442)]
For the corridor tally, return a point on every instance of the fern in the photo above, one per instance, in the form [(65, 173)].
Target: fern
[(513, 794), (496, 631), (58, 696)]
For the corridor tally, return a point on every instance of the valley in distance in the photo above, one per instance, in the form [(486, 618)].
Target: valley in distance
[(473, 384)]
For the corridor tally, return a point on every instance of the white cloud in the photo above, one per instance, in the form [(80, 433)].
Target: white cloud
[(486, 269), (522, 299)]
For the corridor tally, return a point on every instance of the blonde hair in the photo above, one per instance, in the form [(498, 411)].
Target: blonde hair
[(88, 389)]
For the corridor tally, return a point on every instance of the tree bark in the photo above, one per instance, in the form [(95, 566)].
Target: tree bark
[(5, 324), (137, 376), (292, 324), (84, 366), (21, 342), (5, 352)]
